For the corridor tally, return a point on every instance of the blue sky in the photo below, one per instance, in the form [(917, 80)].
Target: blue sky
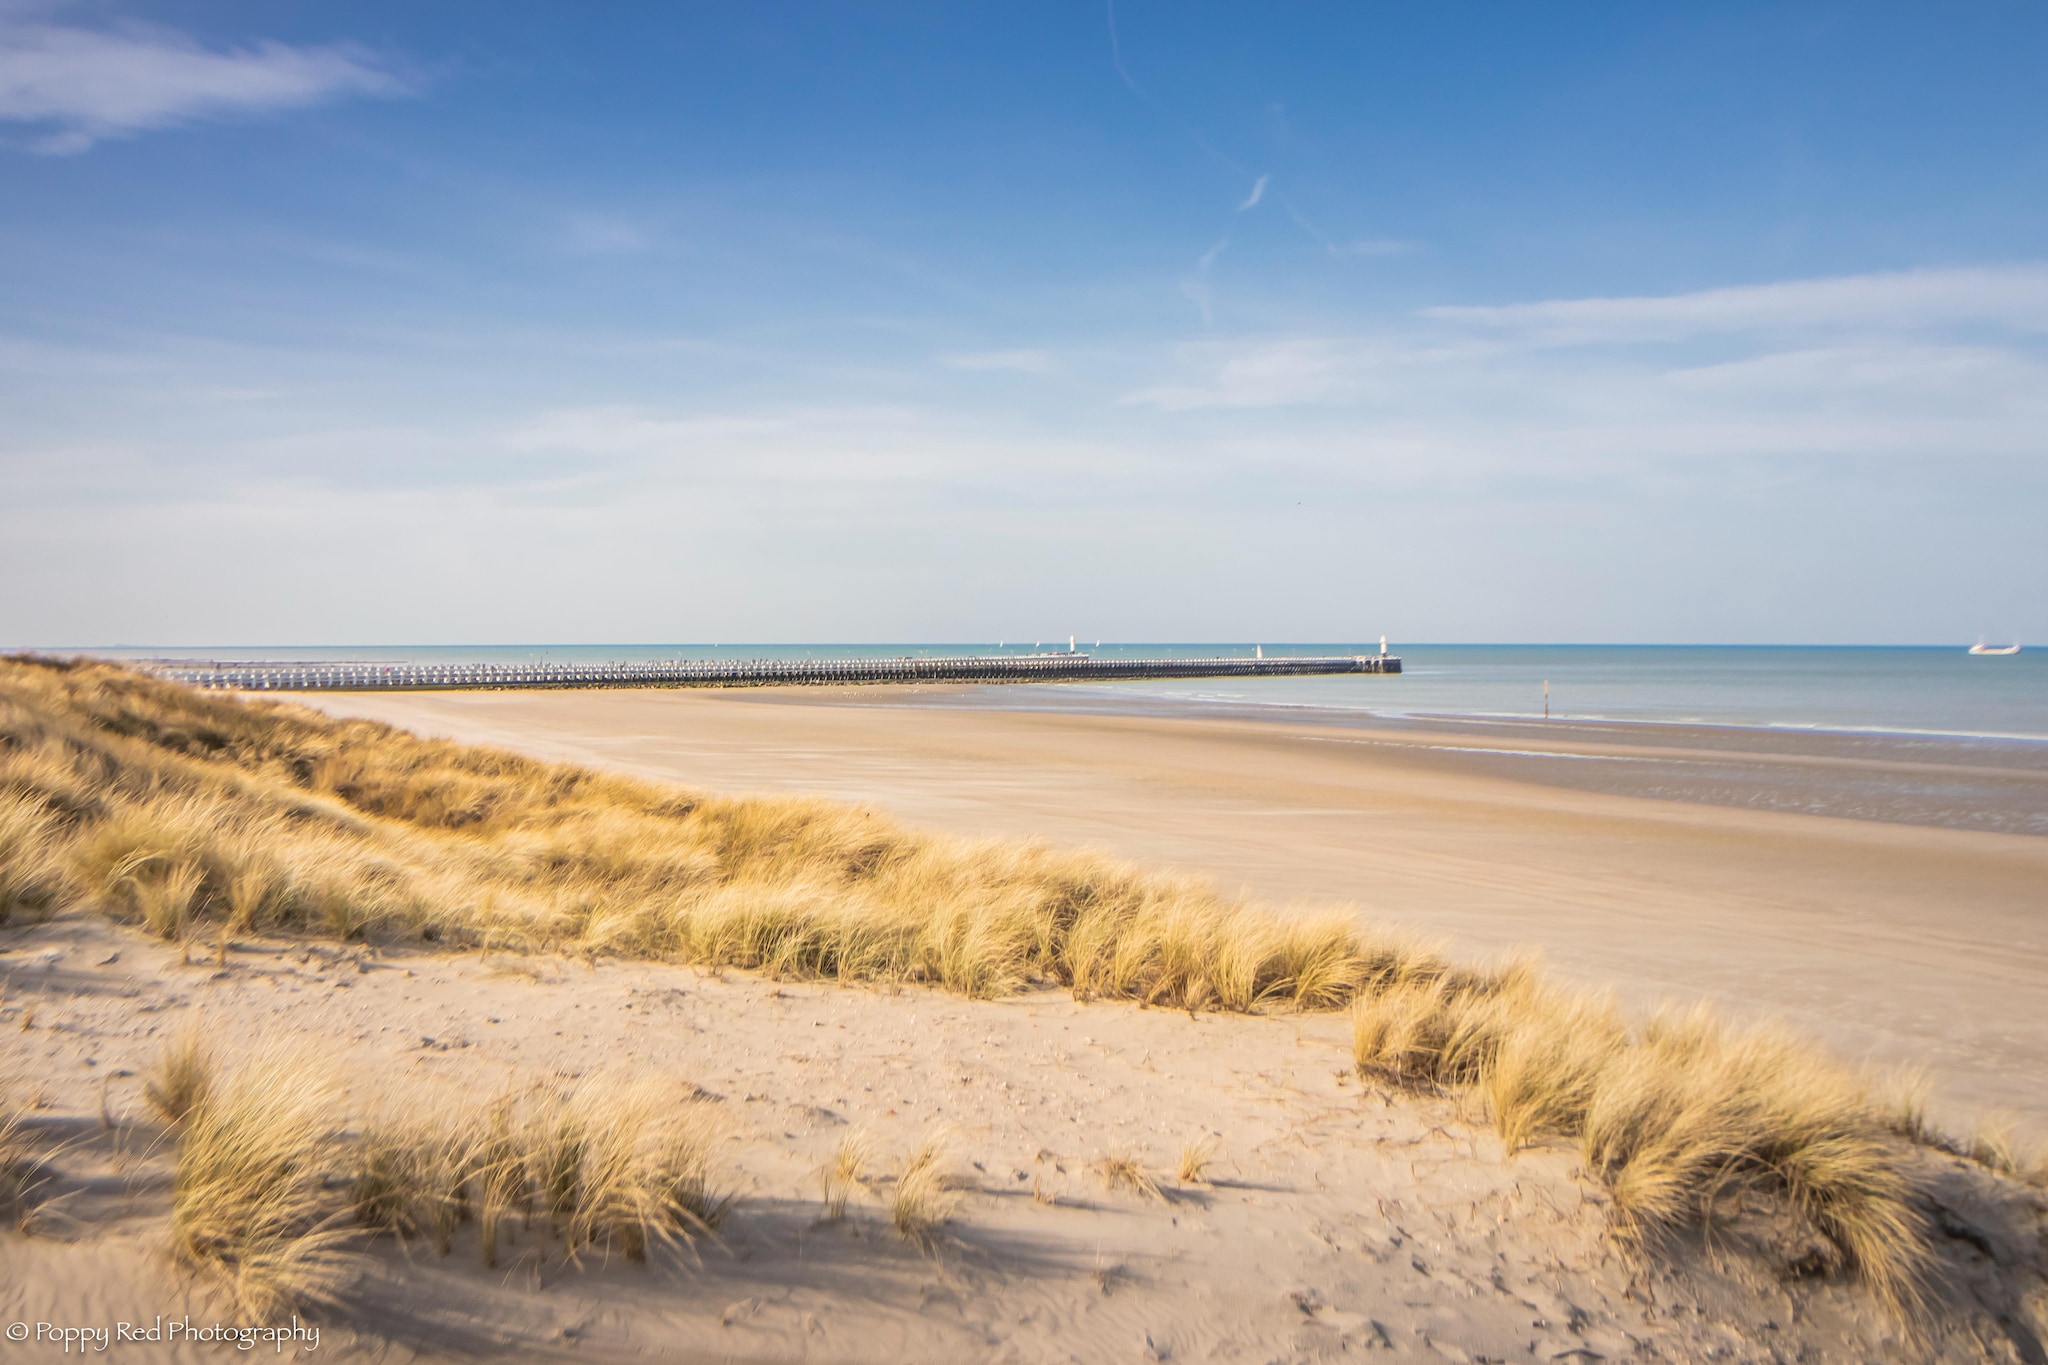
[(398, 323)]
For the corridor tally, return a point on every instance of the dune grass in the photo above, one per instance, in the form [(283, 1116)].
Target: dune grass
[(845, 1173), (186, 813), (1680, 1117), (274, 1197), (189, 813), (178, 1082), (1124, 1171), (926, 1194), (251, 1203), (611, 1167), (19, 1167), (1196, 1156)]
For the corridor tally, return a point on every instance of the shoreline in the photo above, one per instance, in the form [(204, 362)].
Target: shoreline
[(1993, 784), (1087, 698)]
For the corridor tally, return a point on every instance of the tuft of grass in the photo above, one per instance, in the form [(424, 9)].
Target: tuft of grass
[(845, 1173), (1195, 1156), (163, 893), (645, 1180), (1905, 1108), (33, 880), (1680, 1118), (181, 1077), (413, 1178), (926, 1196), (272, 1192), (1122, 1170), (1994, 1147), (20, 1168), (250, 1207), (611, 1167)]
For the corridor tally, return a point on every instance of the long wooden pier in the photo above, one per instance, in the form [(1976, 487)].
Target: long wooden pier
[(1000, 668)]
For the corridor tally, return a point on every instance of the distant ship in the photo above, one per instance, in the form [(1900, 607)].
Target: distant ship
[(1981, 648)]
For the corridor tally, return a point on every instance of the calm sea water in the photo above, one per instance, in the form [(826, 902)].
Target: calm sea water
[(1939, 691)]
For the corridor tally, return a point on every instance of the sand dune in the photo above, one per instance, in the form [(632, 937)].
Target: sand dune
[(1909, 945), (1336, 1218)]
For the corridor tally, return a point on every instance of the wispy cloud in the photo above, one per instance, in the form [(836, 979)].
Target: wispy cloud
[(1369, 246), (1016, 362), (1469, 455), (76, 86), (1116, 54), (1196, 287), (1925, 367), (1251, 200), (1257, 374), (2012, 296)]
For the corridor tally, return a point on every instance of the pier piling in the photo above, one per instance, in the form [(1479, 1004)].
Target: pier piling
[(1064, 667)]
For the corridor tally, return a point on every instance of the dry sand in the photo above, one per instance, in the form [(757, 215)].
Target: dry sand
[(1339, 1220)]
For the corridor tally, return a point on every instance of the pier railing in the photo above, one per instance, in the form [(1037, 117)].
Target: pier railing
[(1014, 668)]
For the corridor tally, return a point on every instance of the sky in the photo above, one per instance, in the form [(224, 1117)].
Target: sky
[(389, 323)]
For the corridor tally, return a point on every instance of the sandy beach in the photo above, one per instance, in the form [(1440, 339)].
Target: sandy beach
[(1126, 1183), (1909, 945)]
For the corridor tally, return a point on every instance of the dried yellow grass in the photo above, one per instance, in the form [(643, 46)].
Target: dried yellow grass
[(1122, 1170), (926, 1194), (611, 1167), (19, 1166), (250, 1205), (1192, 1167), (182, 812), (33, 882), (181, 1077), (845, 1173), (1680, 1117), (272, 1192), (645, 1178), (1996, 1145)]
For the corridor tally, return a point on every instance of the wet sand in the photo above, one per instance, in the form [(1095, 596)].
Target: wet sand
[(1907, 943)]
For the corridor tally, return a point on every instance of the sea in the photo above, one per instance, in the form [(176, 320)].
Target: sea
[(1878, 690)]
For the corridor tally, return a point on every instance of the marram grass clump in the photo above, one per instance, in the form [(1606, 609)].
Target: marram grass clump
[(611, 1167), (277, 1195), (1679, 1117), (181, 1078), (252, 1204)]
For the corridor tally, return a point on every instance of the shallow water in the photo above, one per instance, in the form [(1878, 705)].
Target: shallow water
[(1898, 690)]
